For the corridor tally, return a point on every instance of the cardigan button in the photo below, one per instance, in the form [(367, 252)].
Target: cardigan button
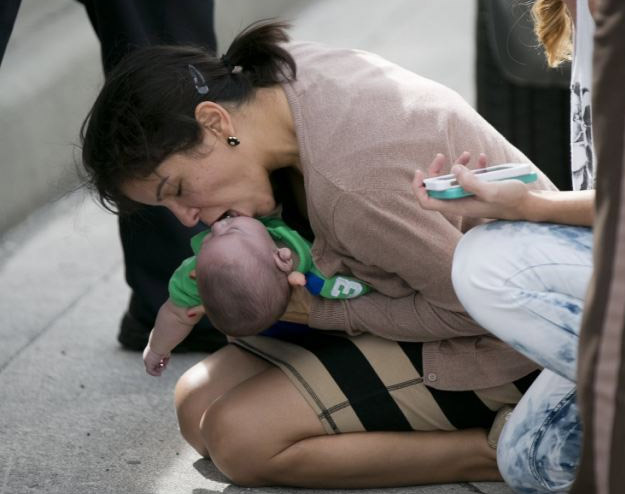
[(432, 377)]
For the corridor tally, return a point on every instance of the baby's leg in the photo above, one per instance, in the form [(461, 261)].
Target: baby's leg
[(208, 380)]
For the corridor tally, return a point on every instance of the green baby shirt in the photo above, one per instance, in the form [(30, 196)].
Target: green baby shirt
[(183, 289)]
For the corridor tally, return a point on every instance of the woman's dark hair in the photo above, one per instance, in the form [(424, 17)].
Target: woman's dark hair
[(145, 110)]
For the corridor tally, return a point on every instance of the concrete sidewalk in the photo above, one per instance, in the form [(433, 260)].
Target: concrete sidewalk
[(77, 413)]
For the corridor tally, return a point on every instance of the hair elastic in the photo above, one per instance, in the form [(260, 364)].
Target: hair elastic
[(233, 69), (198, 80)]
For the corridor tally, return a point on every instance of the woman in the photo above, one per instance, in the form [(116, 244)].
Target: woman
[(529, 285), (333, 135)]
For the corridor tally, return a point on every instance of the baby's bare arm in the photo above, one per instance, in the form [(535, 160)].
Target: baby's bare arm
[(172, 325)]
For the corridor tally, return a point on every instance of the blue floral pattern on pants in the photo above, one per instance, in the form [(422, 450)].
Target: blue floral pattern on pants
[(526, 283)]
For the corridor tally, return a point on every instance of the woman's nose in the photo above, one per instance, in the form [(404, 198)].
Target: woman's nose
[(188, 216)]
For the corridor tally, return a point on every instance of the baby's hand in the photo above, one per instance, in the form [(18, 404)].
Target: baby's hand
[(155, 363)]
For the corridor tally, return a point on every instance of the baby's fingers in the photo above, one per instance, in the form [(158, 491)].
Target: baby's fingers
[(296, 278), (154, 370)]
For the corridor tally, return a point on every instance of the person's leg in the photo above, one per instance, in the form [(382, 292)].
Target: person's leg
[(602, 341), (519, 95), (526, 283), (263, 432), (205, 382), (8, 13), (123, 25), (154, 242), (539, 447)]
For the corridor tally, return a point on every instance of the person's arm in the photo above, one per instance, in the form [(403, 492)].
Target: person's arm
[(409, 318), (387, 230), (567, 207), (508, 199), (399, 319), (173, 324)]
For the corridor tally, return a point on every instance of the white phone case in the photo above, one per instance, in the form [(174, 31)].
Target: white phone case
[(489, 174)]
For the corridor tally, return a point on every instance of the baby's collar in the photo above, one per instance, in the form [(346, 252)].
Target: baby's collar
[(278, 230), (196, 241)]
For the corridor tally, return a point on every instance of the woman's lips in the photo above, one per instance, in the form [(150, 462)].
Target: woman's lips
[(230, 214)]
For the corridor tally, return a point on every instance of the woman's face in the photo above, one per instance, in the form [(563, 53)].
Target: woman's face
[(215, 182)]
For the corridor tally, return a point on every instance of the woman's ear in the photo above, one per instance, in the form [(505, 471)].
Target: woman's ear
[(214, 118), (283, 259)]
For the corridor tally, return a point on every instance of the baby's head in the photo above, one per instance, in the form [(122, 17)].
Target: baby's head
[(242, 276)]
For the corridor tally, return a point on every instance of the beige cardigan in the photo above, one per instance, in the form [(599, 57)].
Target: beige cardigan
[(363, 126)]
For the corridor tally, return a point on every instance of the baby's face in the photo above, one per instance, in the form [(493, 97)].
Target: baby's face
[(234, 236)]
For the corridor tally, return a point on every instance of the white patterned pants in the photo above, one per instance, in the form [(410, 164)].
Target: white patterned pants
[(526, 283)]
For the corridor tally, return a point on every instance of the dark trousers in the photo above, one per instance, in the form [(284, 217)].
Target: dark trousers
[(122, 25), (601, 363), (153, 241), (523, 99)]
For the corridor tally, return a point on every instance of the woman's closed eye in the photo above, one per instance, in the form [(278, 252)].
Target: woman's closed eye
[(179, 189)]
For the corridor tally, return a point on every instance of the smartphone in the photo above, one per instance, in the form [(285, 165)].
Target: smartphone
[(446, 186)]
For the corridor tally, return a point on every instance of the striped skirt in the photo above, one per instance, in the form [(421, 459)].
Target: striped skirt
[(366, 383)]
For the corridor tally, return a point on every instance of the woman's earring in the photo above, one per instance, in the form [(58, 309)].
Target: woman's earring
[(233, 141)]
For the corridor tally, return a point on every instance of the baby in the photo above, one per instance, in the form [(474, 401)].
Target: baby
[(242, 280)]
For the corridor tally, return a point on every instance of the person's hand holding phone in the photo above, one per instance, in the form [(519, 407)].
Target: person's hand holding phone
[(506, 199)]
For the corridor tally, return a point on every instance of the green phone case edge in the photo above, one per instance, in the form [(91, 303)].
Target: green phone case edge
[(459, 192)]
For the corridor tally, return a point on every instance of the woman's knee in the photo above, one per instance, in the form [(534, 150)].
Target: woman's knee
[(190, 405), (232, 446), (205, 382), (249, 431)]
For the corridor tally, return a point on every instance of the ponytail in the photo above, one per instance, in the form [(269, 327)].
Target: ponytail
[(145, 111), (258, 52), (553, 28)]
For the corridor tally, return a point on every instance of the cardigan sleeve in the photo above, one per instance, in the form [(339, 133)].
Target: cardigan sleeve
[(388, 230), (410, 318)]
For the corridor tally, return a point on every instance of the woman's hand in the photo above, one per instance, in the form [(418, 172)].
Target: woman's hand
[(299, 306), (506, 199)]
